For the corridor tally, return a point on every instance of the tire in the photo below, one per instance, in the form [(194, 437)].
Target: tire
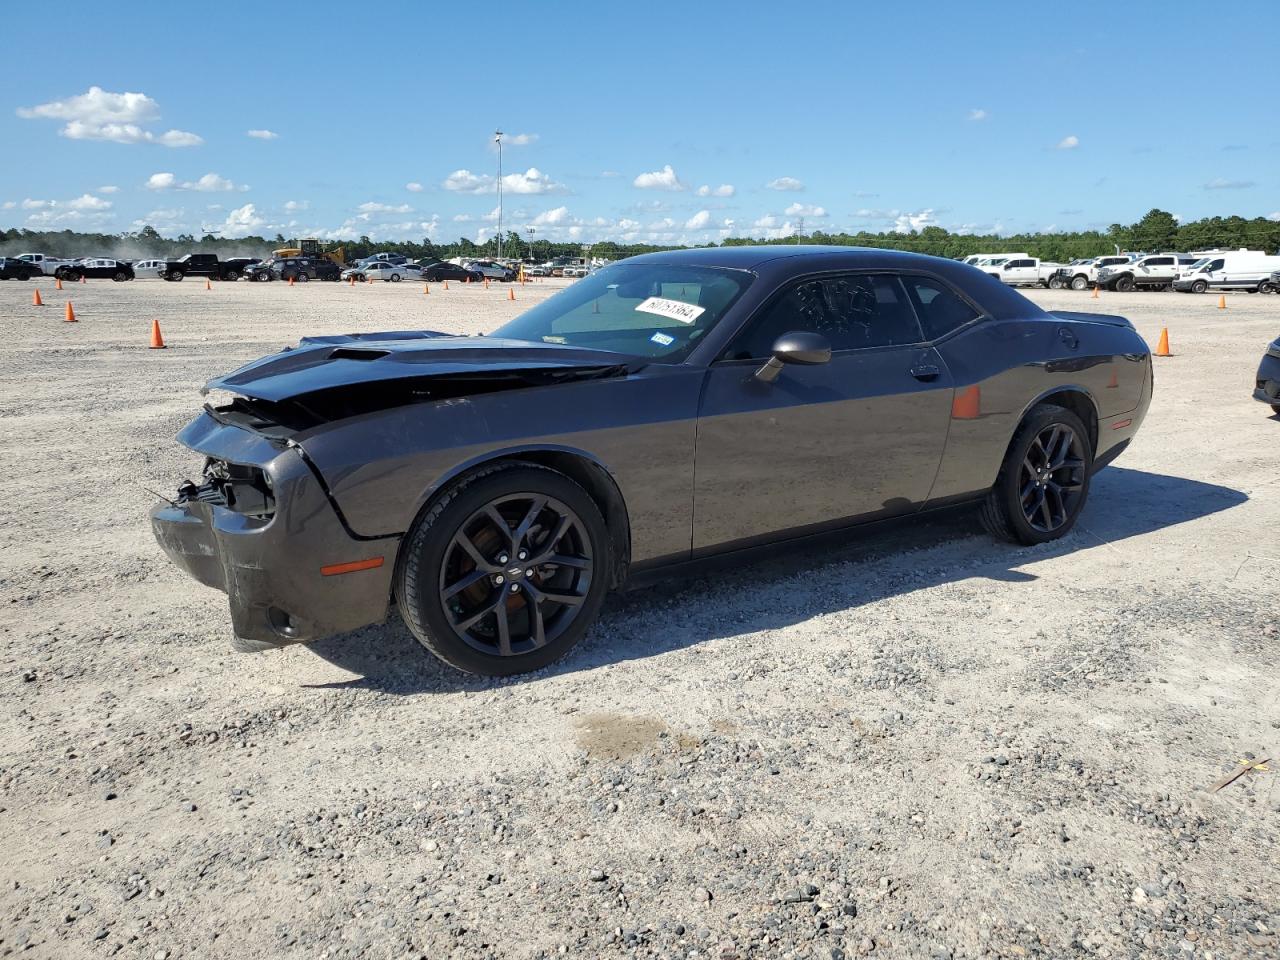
[(432, 557), (1268, 287), (1010, 511), (1199, 287), (1124, 284), (119, 276), (232, 275), (1054, 283), (395, 278), (1079, 282), (174, 275)]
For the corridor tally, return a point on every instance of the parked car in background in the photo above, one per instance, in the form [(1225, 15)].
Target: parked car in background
[(204, 265), (235, 267), (96, 269), (491, 270), (1154, 272), (1271, 284), (148, 268), (992, 259), (537, 270), (382, 270), (45, 263), (1247, 270), (1268, 380), (12, 268), (449, 271), (1082, 274), (302, 269), (395, 258), (1022, 271), (575, 270)]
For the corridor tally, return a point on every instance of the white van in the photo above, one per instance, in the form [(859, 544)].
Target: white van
[(1240, 270)]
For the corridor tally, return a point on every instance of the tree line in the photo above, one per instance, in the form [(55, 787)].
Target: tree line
[(1158, 230)]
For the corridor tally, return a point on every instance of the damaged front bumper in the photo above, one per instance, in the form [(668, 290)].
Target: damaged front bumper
[(292, 571)]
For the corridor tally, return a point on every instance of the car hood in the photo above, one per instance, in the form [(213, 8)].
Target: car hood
[(349, 360)]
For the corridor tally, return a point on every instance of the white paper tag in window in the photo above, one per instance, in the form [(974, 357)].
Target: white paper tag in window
[(672, 309)]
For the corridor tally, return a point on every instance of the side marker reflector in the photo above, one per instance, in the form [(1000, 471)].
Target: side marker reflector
[(1121, 425), (336, 568)]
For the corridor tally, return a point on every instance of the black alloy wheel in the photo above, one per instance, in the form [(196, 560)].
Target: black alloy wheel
[(119, 276), (1199, 287), (1044, 481), (1124, 284), (506, 571), (1051, 479)]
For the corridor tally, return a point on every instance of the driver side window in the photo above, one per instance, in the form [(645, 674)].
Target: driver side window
[(854, 312)]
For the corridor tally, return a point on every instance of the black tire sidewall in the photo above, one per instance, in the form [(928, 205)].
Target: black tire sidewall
[(1008, 491), (417, 592)]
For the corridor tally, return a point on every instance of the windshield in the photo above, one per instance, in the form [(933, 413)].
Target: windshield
[(653, 310)]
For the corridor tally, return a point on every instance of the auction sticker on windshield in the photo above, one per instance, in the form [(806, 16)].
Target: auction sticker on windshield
[(672, 309)]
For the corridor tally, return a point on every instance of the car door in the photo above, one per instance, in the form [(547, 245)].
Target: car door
[(860, 436), (1019, 271)]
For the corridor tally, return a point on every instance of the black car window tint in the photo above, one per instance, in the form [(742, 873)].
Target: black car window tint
[(853, 312), (939, 308)]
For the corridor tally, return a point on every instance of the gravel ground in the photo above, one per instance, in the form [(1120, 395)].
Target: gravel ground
[(921, 744)]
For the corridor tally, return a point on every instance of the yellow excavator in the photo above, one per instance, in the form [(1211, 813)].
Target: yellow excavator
[(311, 247)]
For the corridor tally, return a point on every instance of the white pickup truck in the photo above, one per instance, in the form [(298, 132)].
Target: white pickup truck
[(1024, 270), (47, 264), (1082, 274)]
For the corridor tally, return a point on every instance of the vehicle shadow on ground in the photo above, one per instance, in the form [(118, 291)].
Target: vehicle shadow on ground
[(796, 584)]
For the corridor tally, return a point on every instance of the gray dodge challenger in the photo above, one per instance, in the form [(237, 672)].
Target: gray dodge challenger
[(665, 410)]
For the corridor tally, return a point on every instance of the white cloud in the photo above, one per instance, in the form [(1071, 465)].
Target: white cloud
[(609, 174), (372, 207), (977, 113), (907, 222), (109, 189), (724, 190), (1220, 183), (551, 217), (1274, 216), (1068, 143), (699, 221), (413, 187), (519, 139), (7, 205), (241, 220), (262, 134), (164, 215), (102, 115), (785, 183), (805, 210), (89, 202), (664, 179), (531, 181), (293, 206), (209, 183), (30, 204)]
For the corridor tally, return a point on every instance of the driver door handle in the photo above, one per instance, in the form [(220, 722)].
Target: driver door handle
[(925, 372)]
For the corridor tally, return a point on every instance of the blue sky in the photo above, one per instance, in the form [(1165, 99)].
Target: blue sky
[(661, 122)]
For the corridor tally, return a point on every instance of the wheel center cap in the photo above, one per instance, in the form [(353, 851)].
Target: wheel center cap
[(515, 573)]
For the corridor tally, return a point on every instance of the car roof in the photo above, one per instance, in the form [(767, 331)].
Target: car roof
[(776, 263)]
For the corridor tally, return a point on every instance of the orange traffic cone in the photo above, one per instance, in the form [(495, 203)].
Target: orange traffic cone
[(967, 404), (426, 289), (1162, 348), (207, 284), (35, 298), (1094, 295), (157, 341), (57, 283), (511, 293), (486, 283), (446, 284), (1222, 302), (70, 316)]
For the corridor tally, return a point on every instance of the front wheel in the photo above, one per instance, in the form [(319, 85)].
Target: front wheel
[(173, 275), (1199, 287), (395, 278), (1055, 283), (232, 275), (1079, 282), (119, 276), (1124, 285), (1044, 480), (506, 572)]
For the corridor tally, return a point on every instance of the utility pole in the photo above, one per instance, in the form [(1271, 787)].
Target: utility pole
[(799, 228), (497, 138)]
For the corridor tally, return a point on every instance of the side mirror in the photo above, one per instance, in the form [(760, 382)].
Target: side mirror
[(798, 346)]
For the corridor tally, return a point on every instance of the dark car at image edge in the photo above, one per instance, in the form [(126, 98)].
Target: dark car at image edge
[(666, 410), (1267, 388), (14, 269)]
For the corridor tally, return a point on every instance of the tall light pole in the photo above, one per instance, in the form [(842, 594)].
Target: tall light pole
[(497, 138), (529, 230)]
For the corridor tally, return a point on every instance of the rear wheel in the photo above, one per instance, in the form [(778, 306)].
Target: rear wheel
[(119, 276), (232, 275), (506, 572), (395, 278), (1044, 480)]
